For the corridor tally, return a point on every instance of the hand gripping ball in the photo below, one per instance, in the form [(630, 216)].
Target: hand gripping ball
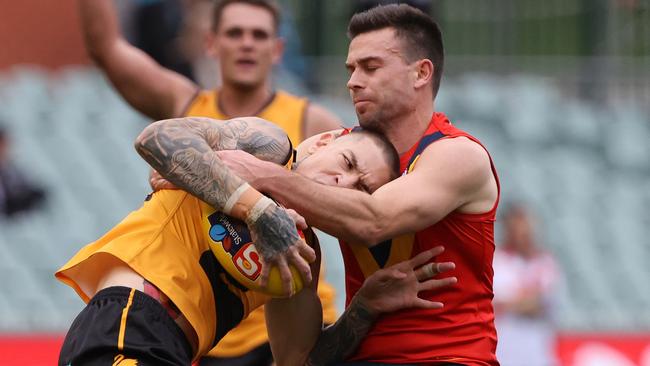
[(230, 242)]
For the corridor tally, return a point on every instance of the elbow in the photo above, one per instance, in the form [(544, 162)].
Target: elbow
[(101, 54), (93, 50), (96, 56), (141, 141), (145, 143), (370, 233), (96, 47), (100, 48)]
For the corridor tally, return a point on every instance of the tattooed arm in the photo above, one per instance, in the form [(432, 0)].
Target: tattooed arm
[(182, 150), (387, 290), (294, 323), (341, 339)]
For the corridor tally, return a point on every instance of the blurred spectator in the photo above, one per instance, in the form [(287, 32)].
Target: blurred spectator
[(193, 42), (176, 34), (525, 280), (17, 193), (157, 27)]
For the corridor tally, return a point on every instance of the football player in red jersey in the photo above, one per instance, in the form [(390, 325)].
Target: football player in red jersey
[(448, 193)]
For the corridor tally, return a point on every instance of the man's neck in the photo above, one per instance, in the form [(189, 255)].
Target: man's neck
[(405, 131), (235, 102)]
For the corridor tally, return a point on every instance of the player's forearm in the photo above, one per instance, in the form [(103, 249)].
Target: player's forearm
[(301, 317), (340, 340), (99, 25), (347, 214)]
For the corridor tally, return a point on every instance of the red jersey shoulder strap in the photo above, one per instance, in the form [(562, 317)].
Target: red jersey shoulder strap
[(425, 141), (436, 130)]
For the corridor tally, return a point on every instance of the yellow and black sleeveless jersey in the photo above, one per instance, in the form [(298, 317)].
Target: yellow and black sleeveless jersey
[(288, 112), (285, 110), (167, 241)]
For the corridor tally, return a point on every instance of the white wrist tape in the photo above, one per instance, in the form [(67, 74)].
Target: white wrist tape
[(234, 197), (259, 208)]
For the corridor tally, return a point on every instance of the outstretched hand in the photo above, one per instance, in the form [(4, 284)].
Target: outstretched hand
[(397, 287)]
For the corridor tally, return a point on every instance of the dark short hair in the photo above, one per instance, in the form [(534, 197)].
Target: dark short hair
[(270, 5), (390, 154), (419, 33)]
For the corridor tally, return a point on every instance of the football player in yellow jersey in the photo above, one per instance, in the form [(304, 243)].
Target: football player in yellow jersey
[(155, 293), (244, 38)]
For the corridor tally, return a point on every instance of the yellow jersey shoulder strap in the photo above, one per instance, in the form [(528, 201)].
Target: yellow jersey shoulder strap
[(288, 112), (204, 104)]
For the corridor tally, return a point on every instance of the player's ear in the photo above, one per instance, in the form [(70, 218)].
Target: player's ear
[(209, 40), (423, 73), (323, 140), (278, 50)]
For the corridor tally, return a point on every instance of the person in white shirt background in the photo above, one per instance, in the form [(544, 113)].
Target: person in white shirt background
[(527, 280)]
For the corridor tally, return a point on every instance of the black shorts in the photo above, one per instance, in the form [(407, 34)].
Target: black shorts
[(122, 325)]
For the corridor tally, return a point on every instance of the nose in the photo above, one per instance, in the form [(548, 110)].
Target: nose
[(347, 180), (354, 82), (248, 40)]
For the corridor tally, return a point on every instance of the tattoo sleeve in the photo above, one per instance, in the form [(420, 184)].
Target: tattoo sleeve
[(339, 340), (182, 151)]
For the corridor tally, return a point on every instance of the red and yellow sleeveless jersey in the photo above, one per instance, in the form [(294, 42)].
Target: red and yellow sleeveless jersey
[(167, 241), (463, 331), (288, 112)]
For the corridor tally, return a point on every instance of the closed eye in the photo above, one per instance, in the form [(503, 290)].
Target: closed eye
[(348, 162)]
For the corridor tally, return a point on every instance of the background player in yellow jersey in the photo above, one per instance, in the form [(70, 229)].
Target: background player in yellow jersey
[(244, 38), (163, 250)]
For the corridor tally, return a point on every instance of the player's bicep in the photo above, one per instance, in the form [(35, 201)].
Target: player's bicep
[(148, 87), (445, 177), (253, 135), (422, 202)]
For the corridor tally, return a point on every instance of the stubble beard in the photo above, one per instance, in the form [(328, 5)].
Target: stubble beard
[(376, 122)]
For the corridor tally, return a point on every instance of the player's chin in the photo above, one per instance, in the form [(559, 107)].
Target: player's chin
[(367, 120), (246, 82)]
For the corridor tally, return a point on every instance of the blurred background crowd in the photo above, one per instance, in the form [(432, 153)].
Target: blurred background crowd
[(558, 91)]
